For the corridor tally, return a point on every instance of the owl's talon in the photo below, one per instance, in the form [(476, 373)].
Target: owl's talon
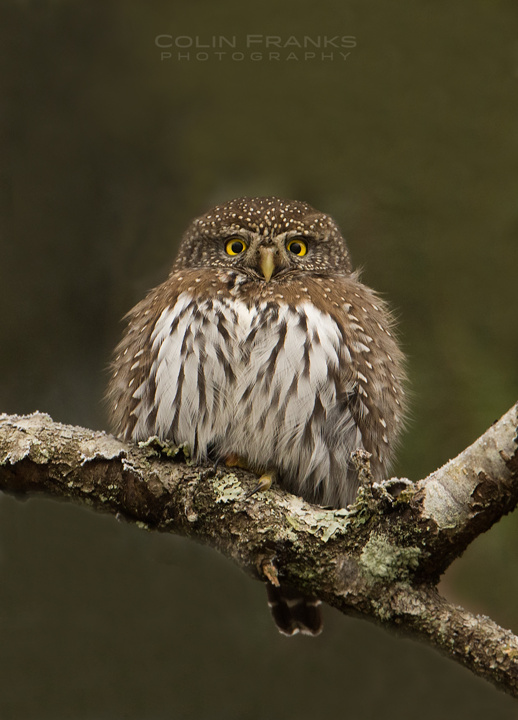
[(264, 483), (233, 460)]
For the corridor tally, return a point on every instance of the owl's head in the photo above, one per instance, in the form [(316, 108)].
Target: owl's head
[(264, 238)]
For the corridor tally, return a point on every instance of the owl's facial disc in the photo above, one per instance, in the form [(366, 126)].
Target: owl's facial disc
[(265, 256), (262, 258)]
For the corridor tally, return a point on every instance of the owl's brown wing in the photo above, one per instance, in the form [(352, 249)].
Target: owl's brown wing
[(371, 374), (131, 366)]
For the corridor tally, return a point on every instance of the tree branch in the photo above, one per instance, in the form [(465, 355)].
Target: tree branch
[(379, 559)]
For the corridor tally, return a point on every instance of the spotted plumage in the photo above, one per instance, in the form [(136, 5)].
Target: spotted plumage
[(263, 344)]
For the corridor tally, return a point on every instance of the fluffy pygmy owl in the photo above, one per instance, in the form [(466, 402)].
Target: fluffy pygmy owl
[(263, 348)]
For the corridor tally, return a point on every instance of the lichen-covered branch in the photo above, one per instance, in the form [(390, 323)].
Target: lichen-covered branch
[(379, 559)]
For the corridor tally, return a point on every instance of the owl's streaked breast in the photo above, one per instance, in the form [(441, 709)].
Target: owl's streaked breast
[(260, 381)]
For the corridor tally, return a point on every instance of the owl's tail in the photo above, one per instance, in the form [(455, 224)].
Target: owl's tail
[(293, 612)]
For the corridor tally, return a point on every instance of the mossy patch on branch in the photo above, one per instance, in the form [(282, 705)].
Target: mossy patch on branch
[(380, 559)]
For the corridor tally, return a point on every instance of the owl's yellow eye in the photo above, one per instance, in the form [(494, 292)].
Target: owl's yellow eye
[(235, 246), (297, 247)]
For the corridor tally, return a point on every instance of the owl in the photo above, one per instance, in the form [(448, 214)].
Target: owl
[(264, 349)]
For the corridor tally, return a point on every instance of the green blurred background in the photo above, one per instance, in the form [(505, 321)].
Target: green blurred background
[(411, 143)]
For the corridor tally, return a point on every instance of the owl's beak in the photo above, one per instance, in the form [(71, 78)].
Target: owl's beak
[(267, 261)]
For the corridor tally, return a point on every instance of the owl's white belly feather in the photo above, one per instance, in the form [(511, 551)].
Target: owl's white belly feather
[(260, 382)]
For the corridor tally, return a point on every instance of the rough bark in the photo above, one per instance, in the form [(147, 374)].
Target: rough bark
[(379, 559)]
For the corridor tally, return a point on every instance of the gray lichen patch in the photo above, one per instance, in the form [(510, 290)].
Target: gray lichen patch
[(321, 523), (382, 560), (228, 488), (38, 438), (11, 451), (103, 447)]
